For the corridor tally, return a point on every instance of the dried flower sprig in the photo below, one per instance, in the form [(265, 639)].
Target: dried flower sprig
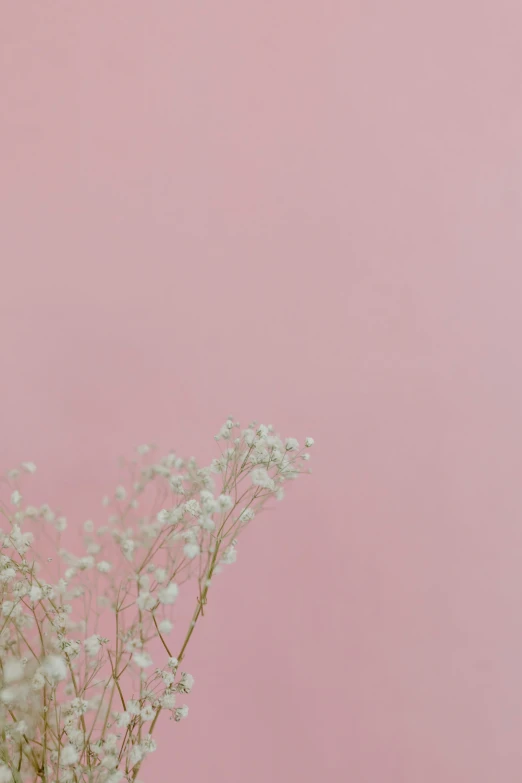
[(87, 664)]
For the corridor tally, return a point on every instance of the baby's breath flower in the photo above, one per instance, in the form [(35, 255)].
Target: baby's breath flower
[(181, 712), (7, 574), (13, 670), (50, 692), (6, 775), (54, 668), (261, 478), (193, 507), (35, 594), (145, 601), (123, 719), (229, 555), (135, 755), (246, 515), (142, 659), (186, 683), (165, 626), (168, 594), (92, 645), (168, 701), (147, 712), (16, 498), (191, 550), (38, 681), (69, 755), (80, 707)]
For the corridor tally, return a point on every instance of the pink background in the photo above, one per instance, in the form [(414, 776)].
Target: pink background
[(307, 213)]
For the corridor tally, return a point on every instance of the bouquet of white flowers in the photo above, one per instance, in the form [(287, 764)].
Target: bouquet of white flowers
[(87, 661)]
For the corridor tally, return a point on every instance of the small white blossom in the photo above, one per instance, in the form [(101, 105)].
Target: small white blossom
[(54, 668), (193, 507), (168, 701), (35, 594), (148, 744), (191, 550), (79, 706), (309, 442), (29, 467), (7, 608), (145, 601), (261, 478), (165, 626), (163, 516), (104, 567), (69, 755), (181, 712), (5, 774), (38, 681), (225, 502), (123, 719), (147, 712), (229, 555), (13, 670), (92, 645), (186, 683), (135, 755), (142, 659), (128, 546), (208, 502), (217, 465), (206, 522), (291, 444), (16, 498), (110, 761), (168, 594)]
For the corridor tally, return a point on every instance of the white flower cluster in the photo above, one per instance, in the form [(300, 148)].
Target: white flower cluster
[(86, 638)]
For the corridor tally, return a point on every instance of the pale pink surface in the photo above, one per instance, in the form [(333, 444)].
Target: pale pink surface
[(309, 213)]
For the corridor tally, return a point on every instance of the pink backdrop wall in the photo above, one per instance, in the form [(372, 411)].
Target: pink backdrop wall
[(307, 213)]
